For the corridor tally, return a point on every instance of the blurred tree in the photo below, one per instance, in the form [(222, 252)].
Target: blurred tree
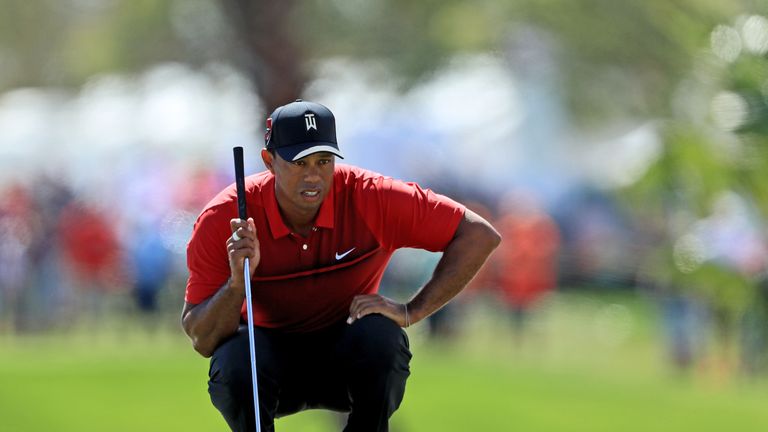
[(614, 58), (715, 146), (270, 53), (64, 42)]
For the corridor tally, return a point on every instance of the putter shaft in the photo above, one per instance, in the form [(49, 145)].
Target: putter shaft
[(251, 343)]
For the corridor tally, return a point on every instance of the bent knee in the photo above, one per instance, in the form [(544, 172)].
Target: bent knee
[(377, 340), (231, 361)]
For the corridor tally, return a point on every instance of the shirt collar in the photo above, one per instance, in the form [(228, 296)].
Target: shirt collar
[(324, 218)]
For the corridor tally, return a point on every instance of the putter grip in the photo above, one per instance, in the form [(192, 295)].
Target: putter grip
[(240, 183)]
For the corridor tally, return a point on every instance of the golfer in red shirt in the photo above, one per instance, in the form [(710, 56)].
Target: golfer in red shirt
[(318, 240)]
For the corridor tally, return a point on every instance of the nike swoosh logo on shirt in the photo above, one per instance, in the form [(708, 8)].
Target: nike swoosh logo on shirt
[(340, 256)]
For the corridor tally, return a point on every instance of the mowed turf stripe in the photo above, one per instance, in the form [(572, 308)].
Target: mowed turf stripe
[(459, 394), (161, 385)]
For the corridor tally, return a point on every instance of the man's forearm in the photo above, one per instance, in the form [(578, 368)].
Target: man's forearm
[(208, 323), (473, 242)]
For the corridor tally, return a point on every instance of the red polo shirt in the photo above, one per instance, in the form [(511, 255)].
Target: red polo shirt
[(306, 283)]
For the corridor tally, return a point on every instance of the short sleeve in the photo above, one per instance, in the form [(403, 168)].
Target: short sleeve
[(207, 259), (405, 215)]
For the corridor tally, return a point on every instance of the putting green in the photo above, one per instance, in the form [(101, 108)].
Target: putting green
[(125, 380)]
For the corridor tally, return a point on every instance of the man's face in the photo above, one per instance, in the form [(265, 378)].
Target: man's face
[(301, 186)]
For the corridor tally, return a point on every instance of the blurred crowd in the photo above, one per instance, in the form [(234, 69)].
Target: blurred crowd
[(66, 258), (65, 255)]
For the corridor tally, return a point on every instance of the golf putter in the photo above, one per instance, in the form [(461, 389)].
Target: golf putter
[(243, 214)]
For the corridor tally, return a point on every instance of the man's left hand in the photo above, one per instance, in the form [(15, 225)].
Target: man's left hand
[(363, 305)]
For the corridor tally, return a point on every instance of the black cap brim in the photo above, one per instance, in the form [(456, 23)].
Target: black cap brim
[(296, 152)]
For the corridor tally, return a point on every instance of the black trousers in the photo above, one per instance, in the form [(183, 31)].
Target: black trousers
[(359, 368)]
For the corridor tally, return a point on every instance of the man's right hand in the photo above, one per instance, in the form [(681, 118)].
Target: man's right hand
[(246, 247)]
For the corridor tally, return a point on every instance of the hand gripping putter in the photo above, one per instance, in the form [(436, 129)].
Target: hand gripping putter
[(243, 214)]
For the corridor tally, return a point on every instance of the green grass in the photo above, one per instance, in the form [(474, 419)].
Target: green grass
[(569, 374)]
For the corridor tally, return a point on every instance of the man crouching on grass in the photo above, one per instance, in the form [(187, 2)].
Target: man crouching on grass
[(318, 242)]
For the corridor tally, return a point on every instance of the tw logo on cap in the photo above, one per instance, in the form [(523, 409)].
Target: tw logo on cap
[(309, 121)]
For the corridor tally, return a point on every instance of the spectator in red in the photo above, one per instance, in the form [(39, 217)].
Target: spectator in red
[(90, 247), (526, 260)]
